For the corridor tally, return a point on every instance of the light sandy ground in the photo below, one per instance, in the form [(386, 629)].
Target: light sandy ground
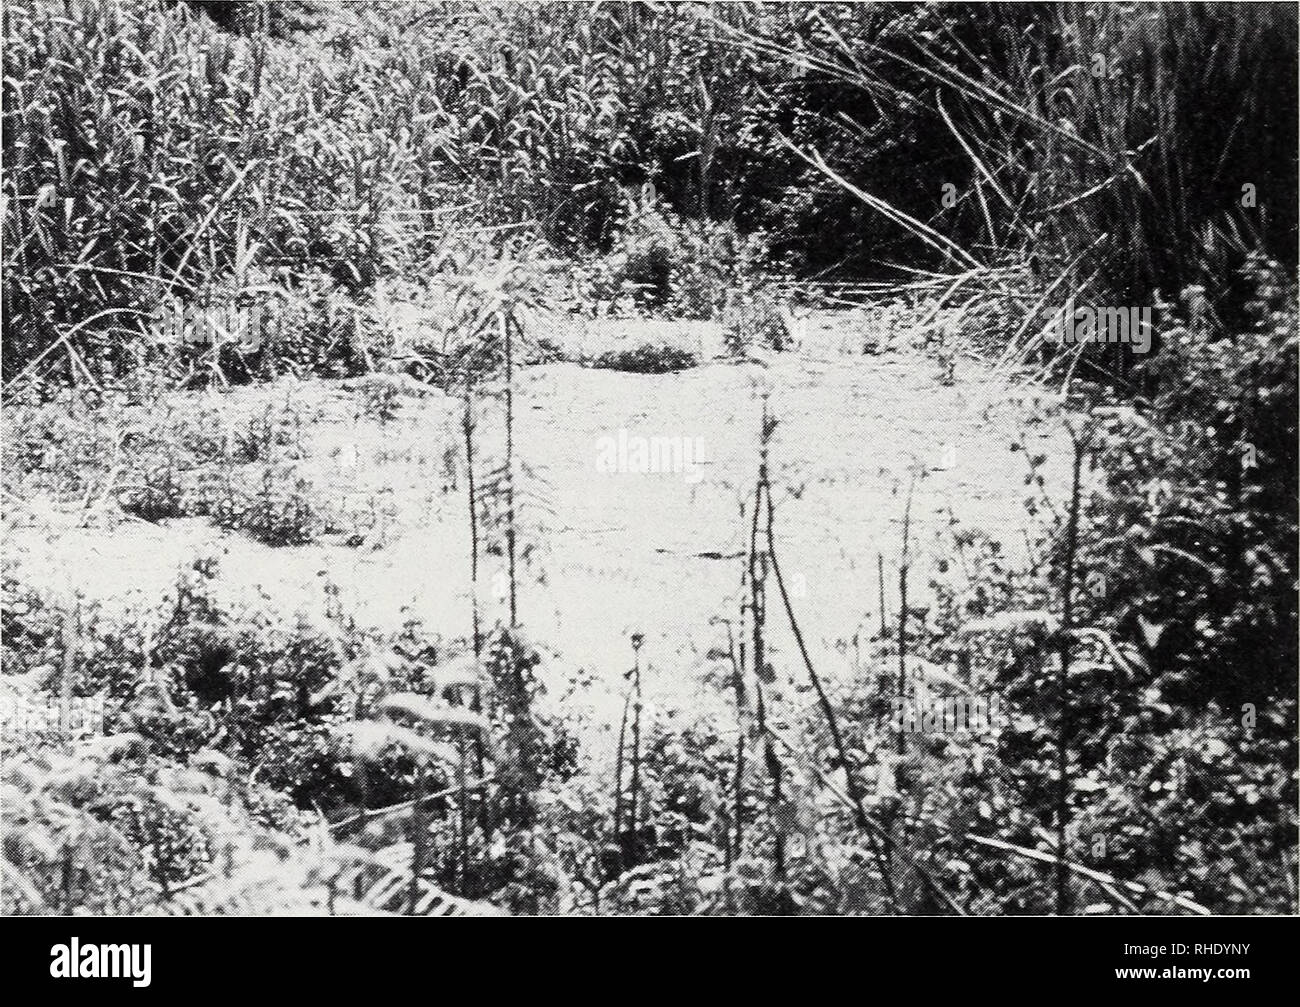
[(612, 553)]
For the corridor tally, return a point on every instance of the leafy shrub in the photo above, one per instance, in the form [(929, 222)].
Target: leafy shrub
[(29, 630), (111, 829), (753, 318), (171, 843), (158, 495), (383, 399), (321, 331), (1180, 720), (55, 443), (666, 264)]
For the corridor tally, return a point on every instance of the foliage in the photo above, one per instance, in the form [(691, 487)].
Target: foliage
[(1119, 152), (200, 196), (647, 359), (109, 828)]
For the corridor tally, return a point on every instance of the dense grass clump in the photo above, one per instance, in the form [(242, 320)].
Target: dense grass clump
[(647, 359)]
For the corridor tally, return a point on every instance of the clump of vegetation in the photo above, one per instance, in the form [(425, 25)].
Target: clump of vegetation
[(383, 400), (666, 264), (276, 510), (754, 317), (647, 359)]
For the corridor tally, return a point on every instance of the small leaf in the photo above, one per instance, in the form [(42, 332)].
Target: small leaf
[(1151, 631)]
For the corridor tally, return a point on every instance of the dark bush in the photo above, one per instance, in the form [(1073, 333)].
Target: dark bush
[(647, 359)]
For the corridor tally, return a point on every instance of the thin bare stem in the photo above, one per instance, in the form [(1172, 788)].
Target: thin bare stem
[(510, 466), (1067, 625), (833, 724)]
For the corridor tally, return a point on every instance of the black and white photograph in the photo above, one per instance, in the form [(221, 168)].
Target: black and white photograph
[(608, 459)]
